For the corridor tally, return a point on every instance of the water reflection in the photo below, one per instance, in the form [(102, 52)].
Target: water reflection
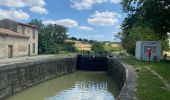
[(81, 85), (83, 90)]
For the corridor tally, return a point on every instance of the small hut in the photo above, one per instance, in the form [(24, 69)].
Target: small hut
[(142, 50)]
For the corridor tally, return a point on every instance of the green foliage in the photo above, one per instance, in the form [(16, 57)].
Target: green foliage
[(138, 33), (51, 37), (154, 13), (146, 20), (97, 46), (110, 48), (69, 46)]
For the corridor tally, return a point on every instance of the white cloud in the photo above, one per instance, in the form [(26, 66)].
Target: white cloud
[(85, 28), (85, 4), (12, 3), (88, 4), (13, 14), (36, 6), (98, 36), (116, 1), (38, 9), (64, 22), (22, 3), (104, 18)]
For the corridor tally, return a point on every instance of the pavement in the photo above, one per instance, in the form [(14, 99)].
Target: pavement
[(7, 61)]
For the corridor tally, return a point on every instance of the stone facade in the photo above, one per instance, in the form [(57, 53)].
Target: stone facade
[(17, 39), (17, 77)]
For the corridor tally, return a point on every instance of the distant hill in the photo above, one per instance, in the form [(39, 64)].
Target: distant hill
[(81, 46), (85, 46)]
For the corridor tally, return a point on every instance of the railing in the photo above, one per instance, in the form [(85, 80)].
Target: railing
[(95, 54)]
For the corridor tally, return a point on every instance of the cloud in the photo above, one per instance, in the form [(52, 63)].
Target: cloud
[(85, 4), (64, 22), (88, 4), (22, 3), (116, 1), (13, 14), (85, 28), (37, 6), (98, 36), (40, 10), (104, 18)]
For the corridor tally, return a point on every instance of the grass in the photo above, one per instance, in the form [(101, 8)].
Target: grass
[(149, 86)]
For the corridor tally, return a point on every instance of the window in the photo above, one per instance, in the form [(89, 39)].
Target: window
[(33, 48), (33, 33), (23, 29)]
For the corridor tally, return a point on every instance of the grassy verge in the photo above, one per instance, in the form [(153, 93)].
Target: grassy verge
[(149, 86)]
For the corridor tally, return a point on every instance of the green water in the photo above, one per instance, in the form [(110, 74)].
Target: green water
[(81, 85)]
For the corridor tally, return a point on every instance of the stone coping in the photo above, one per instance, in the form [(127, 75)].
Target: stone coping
[(124, 76), (128, 91)]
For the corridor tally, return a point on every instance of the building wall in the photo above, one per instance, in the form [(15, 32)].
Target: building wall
[(2, 47), (29, 32), (19, 46)]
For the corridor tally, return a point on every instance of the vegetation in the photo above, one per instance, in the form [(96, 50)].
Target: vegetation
[(52, 38), (146, 20), (113, 47), (149, 86), (98, 46)]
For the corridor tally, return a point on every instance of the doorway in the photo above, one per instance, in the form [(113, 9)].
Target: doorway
[(10, 53), (28, 50)]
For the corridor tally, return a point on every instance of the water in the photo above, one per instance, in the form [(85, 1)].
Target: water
[(81, 85)]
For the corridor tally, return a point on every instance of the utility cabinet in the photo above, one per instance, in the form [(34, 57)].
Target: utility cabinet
[(142, 50)]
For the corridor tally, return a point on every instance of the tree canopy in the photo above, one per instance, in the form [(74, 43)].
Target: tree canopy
[(146, 20), (154, 13), (51, 37)]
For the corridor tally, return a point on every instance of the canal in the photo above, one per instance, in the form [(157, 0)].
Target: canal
[(81, 85)]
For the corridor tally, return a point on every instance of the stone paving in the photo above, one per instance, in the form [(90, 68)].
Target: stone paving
[(32, 58), (128, 92)]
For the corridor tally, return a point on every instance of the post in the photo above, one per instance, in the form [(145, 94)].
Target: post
[(149, 53)]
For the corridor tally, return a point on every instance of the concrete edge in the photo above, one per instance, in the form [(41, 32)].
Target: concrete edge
[(128, 91)]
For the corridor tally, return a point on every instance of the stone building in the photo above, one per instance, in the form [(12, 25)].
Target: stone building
[(17, 39)]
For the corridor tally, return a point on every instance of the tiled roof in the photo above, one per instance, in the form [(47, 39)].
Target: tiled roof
[(19, 23), (7, 32)]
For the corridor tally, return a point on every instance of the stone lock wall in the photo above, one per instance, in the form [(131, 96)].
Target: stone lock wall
[(117, 71), (17, 77), (125, 77)]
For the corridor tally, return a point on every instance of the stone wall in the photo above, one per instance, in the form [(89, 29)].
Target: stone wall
[(17, 77), (125, 78)]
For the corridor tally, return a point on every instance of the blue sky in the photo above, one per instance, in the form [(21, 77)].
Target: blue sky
[(89, 19)]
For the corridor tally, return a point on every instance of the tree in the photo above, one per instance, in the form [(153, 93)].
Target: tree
[(58, 33), (154, 13), (51, 37), (97, 46), (38, 23), (138, 33), (145, 16), (69, 46)]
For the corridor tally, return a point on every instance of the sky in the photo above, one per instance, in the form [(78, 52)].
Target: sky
[(88, 19)]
